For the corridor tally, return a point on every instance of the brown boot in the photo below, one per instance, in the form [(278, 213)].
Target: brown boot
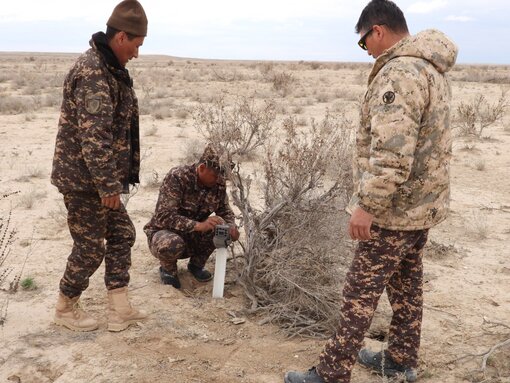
[(70, 314), (120, 312)]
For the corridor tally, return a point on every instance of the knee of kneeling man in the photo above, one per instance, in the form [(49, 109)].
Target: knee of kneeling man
[(173, 244)]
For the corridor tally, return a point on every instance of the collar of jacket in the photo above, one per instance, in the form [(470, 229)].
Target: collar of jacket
[(100, 43)]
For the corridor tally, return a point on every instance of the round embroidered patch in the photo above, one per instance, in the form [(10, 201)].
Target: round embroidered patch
[(388, 97), (93, 103)]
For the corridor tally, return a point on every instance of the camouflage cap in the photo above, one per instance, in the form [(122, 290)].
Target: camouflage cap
[(210, 157), (129, 16)]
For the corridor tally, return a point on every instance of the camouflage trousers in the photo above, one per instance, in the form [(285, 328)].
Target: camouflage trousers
[(91, 225), (168, 247), (391, 260)]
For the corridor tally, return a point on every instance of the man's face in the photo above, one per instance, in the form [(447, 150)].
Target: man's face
[(208, 177), (372, 40), (127, 49)]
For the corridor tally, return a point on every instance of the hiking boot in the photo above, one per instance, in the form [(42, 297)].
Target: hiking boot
[(169, 279), (200, 274), (373, 360), (70, 314), (120, 312), (309, 376)]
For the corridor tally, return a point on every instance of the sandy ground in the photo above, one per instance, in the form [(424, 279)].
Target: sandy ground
[(191, 337)]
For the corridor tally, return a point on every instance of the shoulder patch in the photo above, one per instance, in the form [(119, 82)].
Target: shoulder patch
[(388, 97), (93, 103)]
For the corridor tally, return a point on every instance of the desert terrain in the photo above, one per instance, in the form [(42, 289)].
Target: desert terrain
[(189, 336)]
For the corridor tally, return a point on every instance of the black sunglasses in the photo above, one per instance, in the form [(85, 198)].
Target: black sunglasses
[(362, 42)]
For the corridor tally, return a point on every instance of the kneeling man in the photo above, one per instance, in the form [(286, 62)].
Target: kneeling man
[(182, 225)]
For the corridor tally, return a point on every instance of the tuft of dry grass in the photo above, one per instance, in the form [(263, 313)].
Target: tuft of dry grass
[(30, 198)]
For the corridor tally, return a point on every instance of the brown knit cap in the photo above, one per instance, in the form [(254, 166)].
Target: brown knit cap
[(129, 16)]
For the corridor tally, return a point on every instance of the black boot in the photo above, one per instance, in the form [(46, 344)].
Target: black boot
[(373, 360), (169, 278), (200, 274)]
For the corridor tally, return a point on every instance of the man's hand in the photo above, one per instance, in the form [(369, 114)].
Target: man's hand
[(209, 224), (234, 233), (359, 225), (112, 202)]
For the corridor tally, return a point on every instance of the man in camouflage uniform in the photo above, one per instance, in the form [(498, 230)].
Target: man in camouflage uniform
[(182, 225), (401, 173), (97, 157)]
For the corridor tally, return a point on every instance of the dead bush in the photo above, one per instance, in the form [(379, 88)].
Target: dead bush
[(282, 83), (238, 129), (295, 250), (266, 68), (473, 117), (16, 105), (10, 269), (28, 199)]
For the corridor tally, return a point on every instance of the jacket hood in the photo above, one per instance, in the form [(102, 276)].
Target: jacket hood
[(431, 45)]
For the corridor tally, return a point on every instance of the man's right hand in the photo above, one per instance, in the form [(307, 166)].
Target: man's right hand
[(112, 202), (209, 224)]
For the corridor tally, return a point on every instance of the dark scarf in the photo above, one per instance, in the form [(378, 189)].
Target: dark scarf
[(100, 41)]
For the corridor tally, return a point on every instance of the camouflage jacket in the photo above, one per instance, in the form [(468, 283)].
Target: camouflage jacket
[(403, 144), (183, 202), (97, 147)]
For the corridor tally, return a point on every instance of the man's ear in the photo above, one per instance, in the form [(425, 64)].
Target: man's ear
[(122, 37)]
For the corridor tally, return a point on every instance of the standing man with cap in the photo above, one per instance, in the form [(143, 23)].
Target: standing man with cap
[(402, 189), (97, 157), (182, 225)]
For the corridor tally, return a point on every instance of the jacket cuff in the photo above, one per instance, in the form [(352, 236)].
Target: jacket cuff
[(110, 191)]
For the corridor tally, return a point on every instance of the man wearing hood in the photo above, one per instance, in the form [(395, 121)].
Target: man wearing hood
[(183, 225), (402, 189), (97, 157)]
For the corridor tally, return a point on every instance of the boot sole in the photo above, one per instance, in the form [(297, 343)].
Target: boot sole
[(116, 327), (62, 323)]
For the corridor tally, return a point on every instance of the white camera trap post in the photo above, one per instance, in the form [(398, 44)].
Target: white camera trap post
[(221, 240)]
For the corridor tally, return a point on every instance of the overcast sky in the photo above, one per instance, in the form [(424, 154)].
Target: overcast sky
[(262, 29)]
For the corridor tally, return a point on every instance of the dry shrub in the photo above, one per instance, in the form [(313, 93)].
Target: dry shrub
[(182, 113), (295, 252), (314, 65), (266, 68), (473, 117), (238, 129), (438, 251), (323, 97), (10, 273), (482, 75), (478, 225), (28, 199), (16, 105), (282, 83)]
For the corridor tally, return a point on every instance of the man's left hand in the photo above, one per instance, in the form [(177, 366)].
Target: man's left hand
[(234, 233), (359, 225)]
